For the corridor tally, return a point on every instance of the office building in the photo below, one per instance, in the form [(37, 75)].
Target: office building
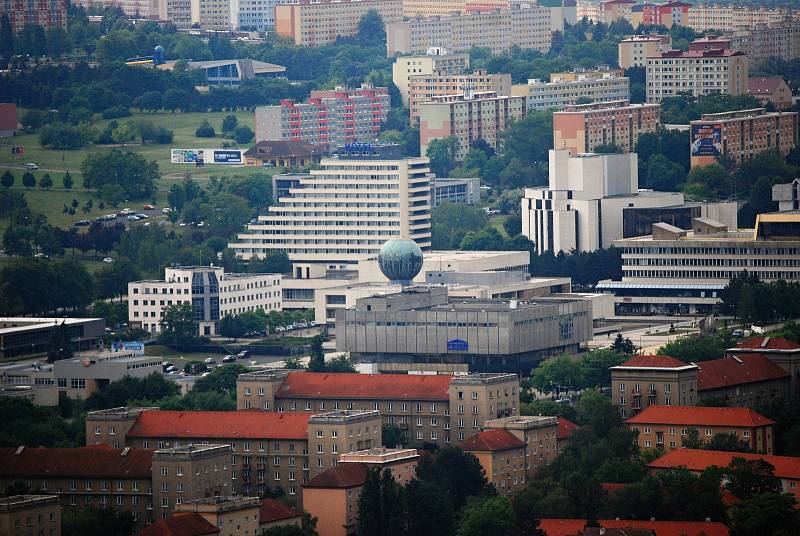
[(779, 40), (698, 72), (773, 89), (332, 117), (469, 117), (23, 515), (585, 127), (440, 409), (456, 191), (525, 26), (21, 336), (677, 271), (285, 154), (387, 196), (667, 427), (584, 205), (319, 23), (634, 50), (424, 88), (740, 135), (52, 14), (435, 61), (566, 89), (729, 17), (231, 73), (210, 291)]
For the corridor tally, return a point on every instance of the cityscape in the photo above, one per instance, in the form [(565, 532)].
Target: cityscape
[(399, 268)]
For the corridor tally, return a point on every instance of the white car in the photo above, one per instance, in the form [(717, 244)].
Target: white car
[(31, 166), (108, 260)]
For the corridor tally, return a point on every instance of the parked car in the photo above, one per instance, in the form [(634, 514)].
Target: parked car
[(229, 359), (166, 210), (109, 217), (31, 166), (124, 212), (108, 260), (280, 329), (148, 207), (738, 333), (210, 361), (142, 216), (244, 354), (82, 223), (133, 217)]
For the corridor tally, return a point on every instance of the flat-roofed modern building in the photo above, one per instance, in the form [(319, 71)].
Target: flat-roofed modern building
[(317, 23), (727, 18), (424, 324), (633, 50), (212, 293), (698, 72), (585, 127), (566, 89), (231, 73), (423, 88), (347, 209), (23, 515), (457, 191), (435, 61), (20, 336)]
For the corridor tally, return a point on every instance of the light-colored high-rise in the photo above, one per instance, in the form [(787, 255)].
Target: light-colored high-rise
[(346, 210), (565, 89), (766, 41), (727, 18), (423, 88), (498, 30), (435, 61), (633, 51), (585, 127), (426, 8), (320, 22), (699, 72)]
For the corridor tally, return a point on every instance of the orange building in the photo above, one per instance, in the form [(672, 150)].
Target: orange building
[(502, 456), (584, 127), (667, 427), (786, 468)]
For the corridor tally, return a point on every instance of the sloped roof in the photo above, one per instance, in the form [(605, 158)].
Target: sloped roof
[(565, 428), (493, 440), (562, 527), (669, 528), (95, 462), (698, 459), (742, 369), (344, 475), (221, 425), (763, 84), (365, 386), (180, 524), (769, 343), (654, 361), (700, 416), (274, 510)]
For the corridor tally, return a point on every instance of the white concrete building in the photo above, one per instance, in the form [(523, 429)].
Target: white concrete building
[(346, 210), (561, 92), (212, 294)]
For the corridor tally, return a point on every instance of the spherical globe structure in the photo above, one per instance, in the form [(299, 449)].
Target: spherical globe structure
[(400, 260)]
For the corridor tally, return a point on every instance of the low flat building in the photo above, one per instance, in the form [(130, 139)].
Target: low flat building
[(773, 89), (231, 73), (210, 291), (585, 127), (566, 89), (740, 135), (22, 336), (8, 119), (285, 154), (667, 427), (23, 515), (456, 191), (502, 456)]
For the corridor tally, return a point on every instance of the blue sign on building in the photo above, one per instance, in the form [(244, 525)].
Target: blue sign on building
[(457, 345)]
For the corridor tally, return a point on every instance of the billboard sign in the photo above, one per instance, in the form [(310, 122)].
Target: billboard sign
[(457, 345), (131, 346), (707, 139), (227, 156), (207, 156)]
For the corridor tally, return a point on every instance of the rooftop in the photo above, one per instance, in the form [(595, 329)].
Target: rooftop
[(365, 386), (764, 84), (522, 422), (565, 428), (99, 461), (219, 503), (344, 475), (180, 524), (700, 416), (769, 343), (274, 510), (737, 370), (21, 502), (698, 459), (15, 324), (221, 425), (492, 441), (191, 452), (344, 415), (378, 455), (664, 362), (285, 148), (573, 527)]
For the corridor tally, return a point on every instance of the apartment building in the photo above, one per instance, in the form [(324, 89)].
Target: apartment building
[(698, 72), (212, 293), (747, 380), (435, 61), (538, 433), (346, 210), (469, 117), (728, 18), (21, 13), (566, 89), (214, 15), (588, 10), (502, 456), (526, 26), (316, 23), (270, 450), (424, 88), (741, 134), (255, 15), (179, 12), (667, 427), (332, 117), (233, 516), (584, 127), (439, 409), (420, 8), (24, 515), (653, 380), (612, 10), (634, 50), (771, 89)]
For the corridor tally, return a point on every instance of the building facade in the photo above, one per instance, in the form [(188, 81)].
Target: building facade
[(634, 50), (502, 456), (498, 30), (538, 433), (24, 515), (49, 14), (584, 127), (456, 191), (23, 335), (315, 23), (435, 61), (779, 40), (566, 89), (332, 117), (346, 210), (212, 293), (650, 380), (740, 135), (424, 88), (727, 18), (469, 117), (285, 154), (699, 72), (773, 90)]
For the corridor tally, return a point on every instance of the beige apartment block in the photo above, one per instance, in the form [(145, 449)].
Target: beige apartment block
[(778, 40), (179, 12), (538, 433), (24, 515), (584, 127), (316, 23), (423, 88), (634, 50), (649, 380), (422, 8), (337, 432), (565, 89), (499, 30), (436, 61), (234, 516), (502, 456), (728, 18), (699, 72), (213, 14), (469, 117)]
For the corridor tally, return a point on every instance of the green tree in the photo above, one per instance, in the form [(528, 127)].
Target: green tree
[(371, 31), (317, 360), (60, 344), (67, 181), (6, 39), (709, 182), (392, 435), (450, 222), (746, 479), (7, 181), (112, 280), (487, 239), (563, 372), (98, 522), (664, 174), (243, 134), (596, 365), (118, 174), (728, 443), (429, 511), (382, 505), (46, 182), (222, 380), (28, 180), (442, 154), (458, 473), (205, 130), (487, 515), (769, 513), (622, 345), (124, 133), (177, 324), (701, 347), (231, 326), (119, 393), (229, 124)]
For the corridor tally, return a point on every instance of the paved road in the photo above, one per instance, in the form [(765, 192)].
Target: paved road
[(651, 337)]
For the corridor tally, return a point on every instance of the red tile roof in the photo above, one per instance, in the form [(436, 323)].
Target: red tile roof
[(654, 361), (344, 475), (763, 84), (562, 527), (696, 460), (565, 428), (274, 510), (700, 416), (492, 441), (770, 343), (669, 528), (221, 425), (365, 386), (612, 486), (744, 368), (180, 524), (100, 462)]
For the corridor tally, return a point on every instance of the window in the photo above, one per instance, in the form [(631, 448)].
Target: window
[(164, 502), (96, 430), (163, 471), (179, 471)]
